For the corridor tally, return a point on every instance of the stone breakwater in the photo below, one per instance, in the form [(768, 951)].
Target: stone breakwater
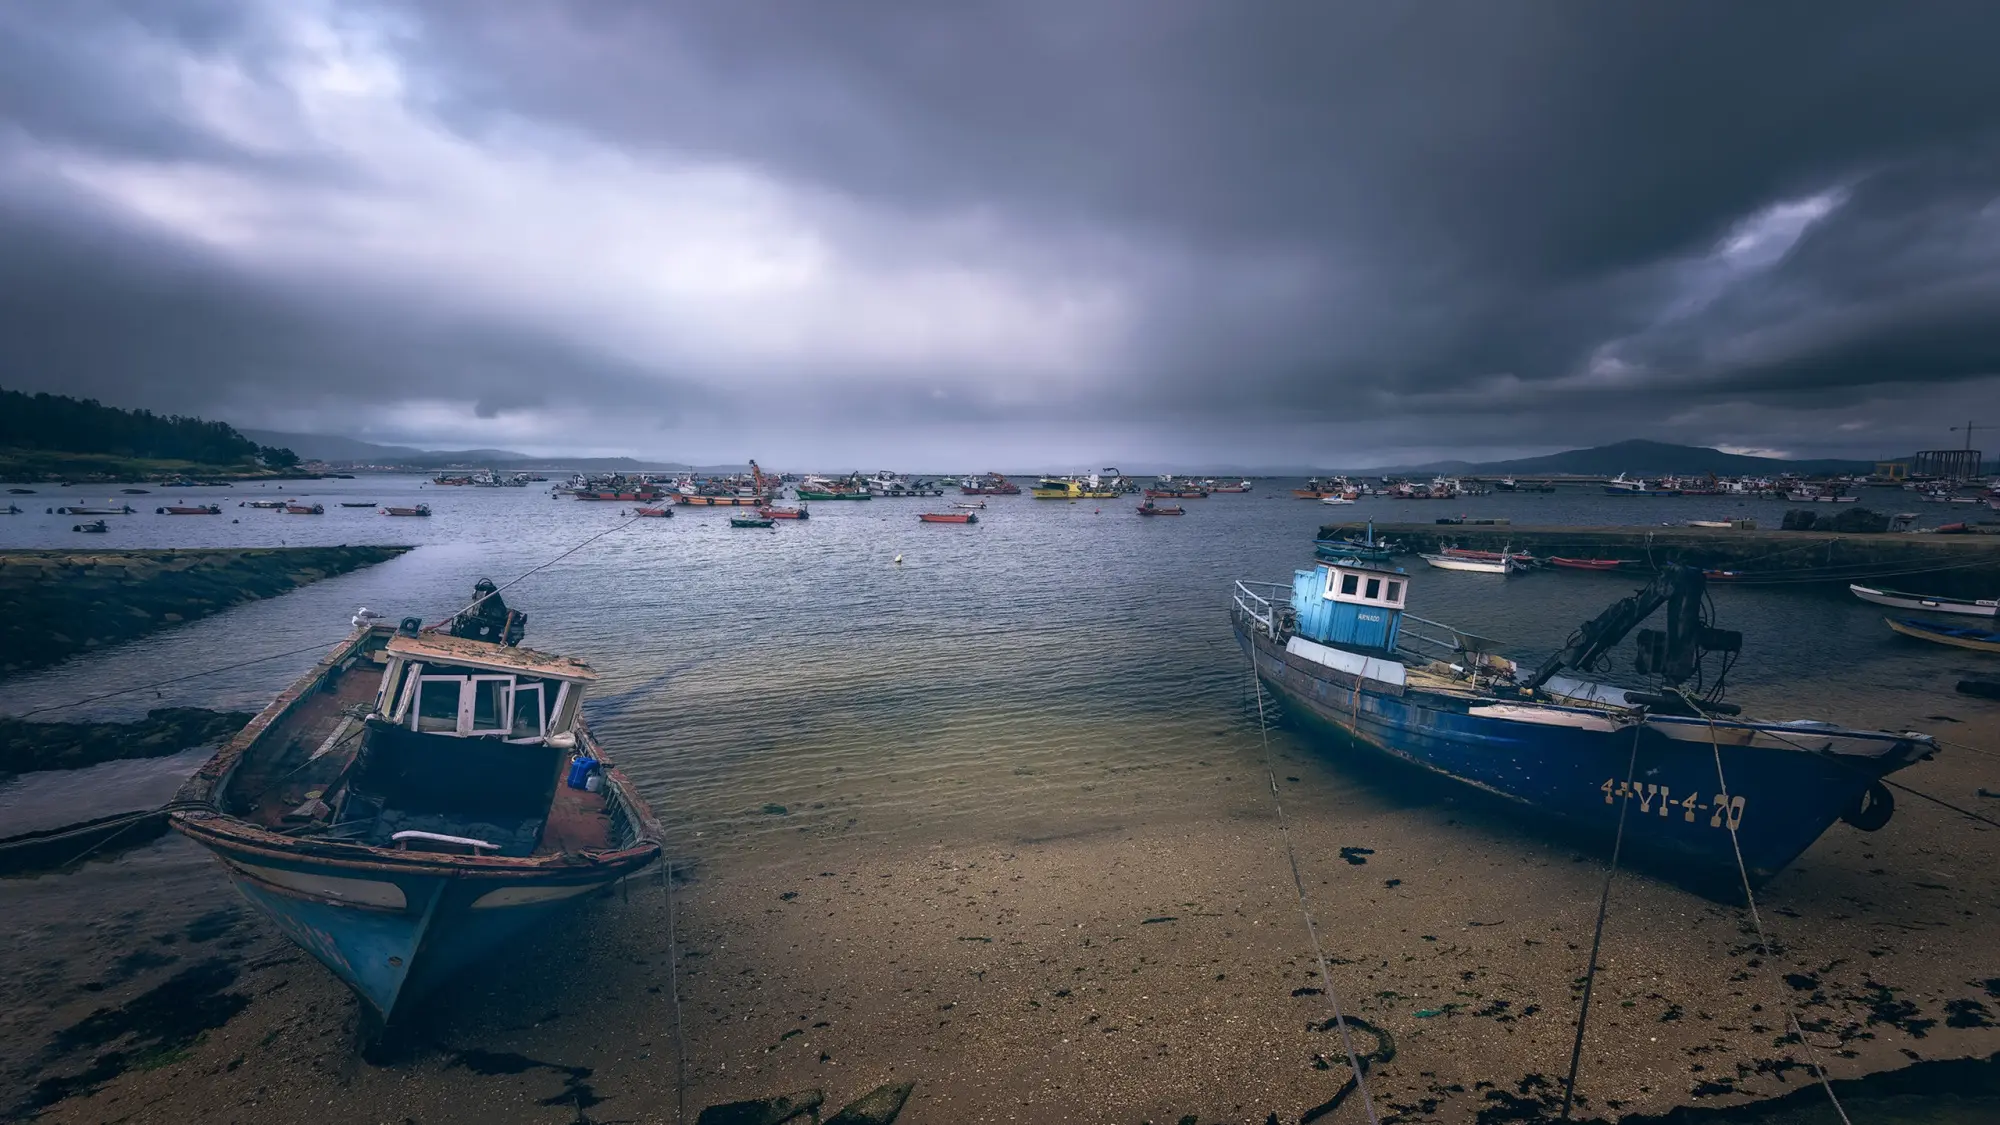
[(1951, 565), (29, 746), (55, 604)]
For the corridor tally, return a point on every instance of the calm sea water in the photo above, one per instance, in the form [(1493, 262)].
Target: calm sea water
[(996, 665), (1040, 673)]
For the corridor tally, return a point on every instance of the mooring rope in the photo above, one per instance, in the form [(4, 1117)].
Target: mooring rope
[(1305, 906), (674, 990), (1750, 898), (1597, 938)]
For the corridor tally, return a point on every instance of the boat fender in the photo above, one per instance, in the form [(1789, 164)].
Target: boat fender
[(410, 626), (1872, 809)]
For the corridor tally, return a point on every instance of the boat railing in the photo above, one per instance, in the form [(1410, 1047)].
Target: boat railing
[(1259, 608), (1453, 647)]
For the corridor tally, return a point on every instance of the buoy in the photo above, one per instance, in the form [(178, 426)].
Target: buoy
[(899, 560)]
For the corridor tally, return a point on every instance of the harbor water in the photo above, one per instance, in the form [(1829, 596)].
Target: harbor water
[(856, 683)]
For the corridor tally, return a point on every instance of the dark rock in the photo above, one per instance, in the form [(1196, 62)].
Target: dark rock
[(27, 746), (877, 1107), (765, 1111)]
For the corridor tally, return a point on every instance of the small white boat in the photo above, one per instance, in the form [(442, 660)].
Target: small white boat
[(1336, 500), (1477, 566), (1985, 607), (1718, 524)]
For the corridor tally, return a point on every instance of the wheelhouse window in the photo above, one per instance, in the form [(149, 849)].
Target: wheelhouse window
[(1374, 589), (1349, 583), (1395, 593), (530, 714), (437, 703)]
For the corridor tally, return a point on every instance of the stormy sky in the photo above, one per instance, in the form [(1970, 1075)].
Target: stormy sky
[(1013, 233)]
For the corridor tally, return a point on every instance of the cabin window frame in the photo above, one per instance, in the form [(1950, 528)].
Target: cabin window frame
[(542, 714), (1392, 591), (1373, 590), (406, 690), (1350, 583), (468, 705), (417, 707)]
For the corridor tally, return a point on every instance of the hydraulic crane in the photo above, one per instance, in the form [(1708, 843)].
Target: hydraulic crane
[(1672, 654)]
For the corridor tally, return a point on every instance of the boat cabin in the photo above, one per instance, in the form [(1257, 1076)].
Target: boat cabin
[(440, 684), (1352, 603)]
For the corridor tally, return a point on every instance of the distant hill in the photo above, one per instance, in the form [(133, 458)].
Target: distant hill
[(342, 450), (1642, 457)]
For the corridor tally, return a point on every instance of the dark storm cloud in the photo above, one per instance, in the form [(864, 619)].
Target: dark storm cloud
[(1280, 229)]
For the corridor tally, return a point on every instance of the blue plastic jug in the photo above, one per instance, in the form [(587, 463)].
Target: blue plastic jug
[(580, 768)]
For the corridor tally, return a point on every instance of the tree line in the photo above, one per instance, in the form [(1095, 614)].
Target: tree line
[(59, 423)]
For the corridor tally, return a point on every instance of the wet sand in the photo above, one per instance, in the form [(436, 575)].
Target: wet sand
[(1116, 968)]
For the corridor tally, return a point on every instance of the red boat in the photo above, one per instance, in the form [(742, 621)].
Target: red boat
[(1176, 494), (1586, 564), (948, 517), (774, 513), (194, 510), (654, 513), (1149, 509), (305, 509)]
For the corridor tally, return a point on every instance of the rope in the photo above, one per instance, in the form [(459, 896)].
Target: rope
[(1763, 942), (474, 604), (1305, 907), (1940, 801), (314, 647), (674, 990), (1597, 938)]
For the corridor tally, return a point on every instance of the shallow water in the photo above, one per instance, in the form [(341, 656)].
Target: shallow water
[(1041, 673)]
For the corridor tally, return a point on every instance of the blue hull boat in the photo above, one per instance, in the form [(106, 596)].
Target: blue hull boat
[(1560, 745), (418, 801)]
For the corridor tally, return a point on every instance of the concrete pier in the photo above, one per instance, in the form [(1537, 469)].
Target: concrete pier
[(1951, 565)]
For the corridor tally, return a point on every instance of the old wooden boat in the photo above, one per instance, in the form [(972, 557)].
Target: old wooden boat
[(1585, 564), (780, 512), (1239, 486), (752, 521), (273, 504), (357, 503), (190, 510), (1176, 494), (305, 509), (94, 527), (419, 510), (992, 484), (979, 507), (653, 513), (947, 517), (1151, 509), (1984, 607), (1938, 632), (417, 800), (1340, 652), (1502, 565)]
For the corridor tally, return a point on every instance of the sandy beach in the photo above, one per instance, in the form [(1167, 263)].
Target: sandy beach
[(1129, 969)]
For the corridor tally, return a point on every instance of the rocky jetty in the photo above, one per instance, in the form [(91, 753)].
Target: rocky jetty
[(55, 604)]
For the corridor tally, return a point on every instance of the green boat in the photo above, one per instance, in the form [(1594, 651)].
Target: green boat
[(820, 494), (752, 521)]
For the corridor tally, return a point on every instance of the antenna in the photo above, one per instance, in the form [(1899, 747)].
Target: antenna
[(1968, 428)]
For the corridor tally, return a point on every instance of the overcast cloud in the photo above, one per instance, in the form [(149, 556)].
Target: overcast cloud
[(1023, 233)]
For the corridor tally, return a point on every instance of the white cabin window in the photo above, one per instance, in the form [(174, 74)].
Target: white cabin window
[(1374, 589), (1349, 583), (530, 720), (438, 699), (489, 708), (1395, 594)]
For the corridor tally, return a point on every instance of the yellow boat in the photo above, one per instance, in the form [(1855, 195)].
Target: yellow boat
[(1064, 488), (1937, 632)]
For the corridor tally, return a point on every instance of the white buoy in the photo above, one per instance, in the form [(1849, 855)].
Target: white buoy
[(899, 560)]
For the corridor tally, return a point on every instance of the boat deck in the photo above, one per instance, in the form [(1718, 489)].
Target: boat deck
[(280, 775)]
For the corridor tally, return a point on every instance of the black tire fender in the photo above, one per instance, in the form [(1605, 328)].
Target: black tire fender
[(1872, 809)]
